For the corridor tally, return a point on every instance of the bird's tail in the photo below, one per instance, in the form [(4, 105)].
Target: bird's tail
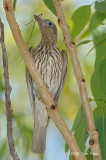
[(40, 127)]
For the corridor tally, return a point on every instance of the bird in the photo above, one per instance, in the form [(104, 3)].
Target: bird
[(52, 65)]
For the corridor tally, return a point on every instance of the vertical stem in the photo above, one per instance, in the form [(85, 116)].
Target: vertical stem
[(7, 96)]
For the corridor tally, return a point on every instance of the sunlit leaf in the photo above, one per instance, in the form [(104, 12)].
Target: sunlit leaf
[(84, 42), (100, 6), (79, 19), (50, 5)]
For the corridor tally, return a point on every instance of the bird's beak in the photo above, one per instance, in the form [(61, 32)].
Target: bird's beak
[(38, 19), (41, 22)]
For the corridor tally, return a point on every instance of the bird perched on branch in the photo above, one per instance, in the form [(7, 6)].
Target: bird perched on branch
[(52, 65)]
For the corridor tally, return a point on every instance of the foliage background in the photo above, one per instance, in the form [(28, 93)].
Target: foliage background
[(93, 66)]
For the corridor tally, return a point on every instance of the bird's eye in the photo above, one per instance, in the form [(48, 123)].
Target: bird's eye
[(50, 23)]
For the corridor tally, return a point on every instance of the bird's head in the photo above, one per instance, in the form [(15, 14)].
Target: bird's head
[(48, 29)]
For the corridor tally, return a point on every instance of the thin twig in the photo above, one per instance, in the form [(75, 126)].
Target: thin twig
[(7, 96), (93, 132), (45, 96), (31, 33)]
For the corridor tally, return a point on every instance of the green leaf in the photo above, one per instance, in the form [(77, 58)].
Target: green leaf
[(14, 4), (96, 20), (80, 128), (102, 72), (41, 156), (90, 99), (26, 134), (2, 86), (100, 121), (98, 113), (78, 119), (101, 41), (79, 19), (81, 134), (25, 131), (100, 6), (50, 5), (70, 157), (89, 155), (84, 42), (66, 148), (3, 149), (98, 84)]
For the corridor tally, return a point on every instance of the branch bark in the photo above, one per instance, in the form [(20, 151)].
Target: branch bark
[(91, 129), (46, 97), (7, 96)]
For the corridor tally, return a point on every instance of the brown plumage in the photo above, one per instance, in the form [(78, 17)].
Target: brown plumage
[(52, 65)]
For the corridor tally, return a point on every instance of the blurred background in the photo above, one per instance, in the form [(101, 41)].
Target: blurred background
[(69, 103)]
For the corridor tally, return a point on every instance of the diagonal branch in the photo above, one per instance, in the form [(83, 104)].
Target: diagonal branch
[(7, 96), (94, 142), (45, 96)]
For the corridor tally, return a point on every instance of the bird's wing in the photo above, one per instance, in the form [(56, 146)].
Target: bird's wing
[(63, 77), (29, 81)]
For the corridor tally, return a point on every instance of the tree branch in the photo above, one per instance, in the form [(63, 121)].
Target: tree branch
[(7, 96), (46, 97), (93, 132)]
